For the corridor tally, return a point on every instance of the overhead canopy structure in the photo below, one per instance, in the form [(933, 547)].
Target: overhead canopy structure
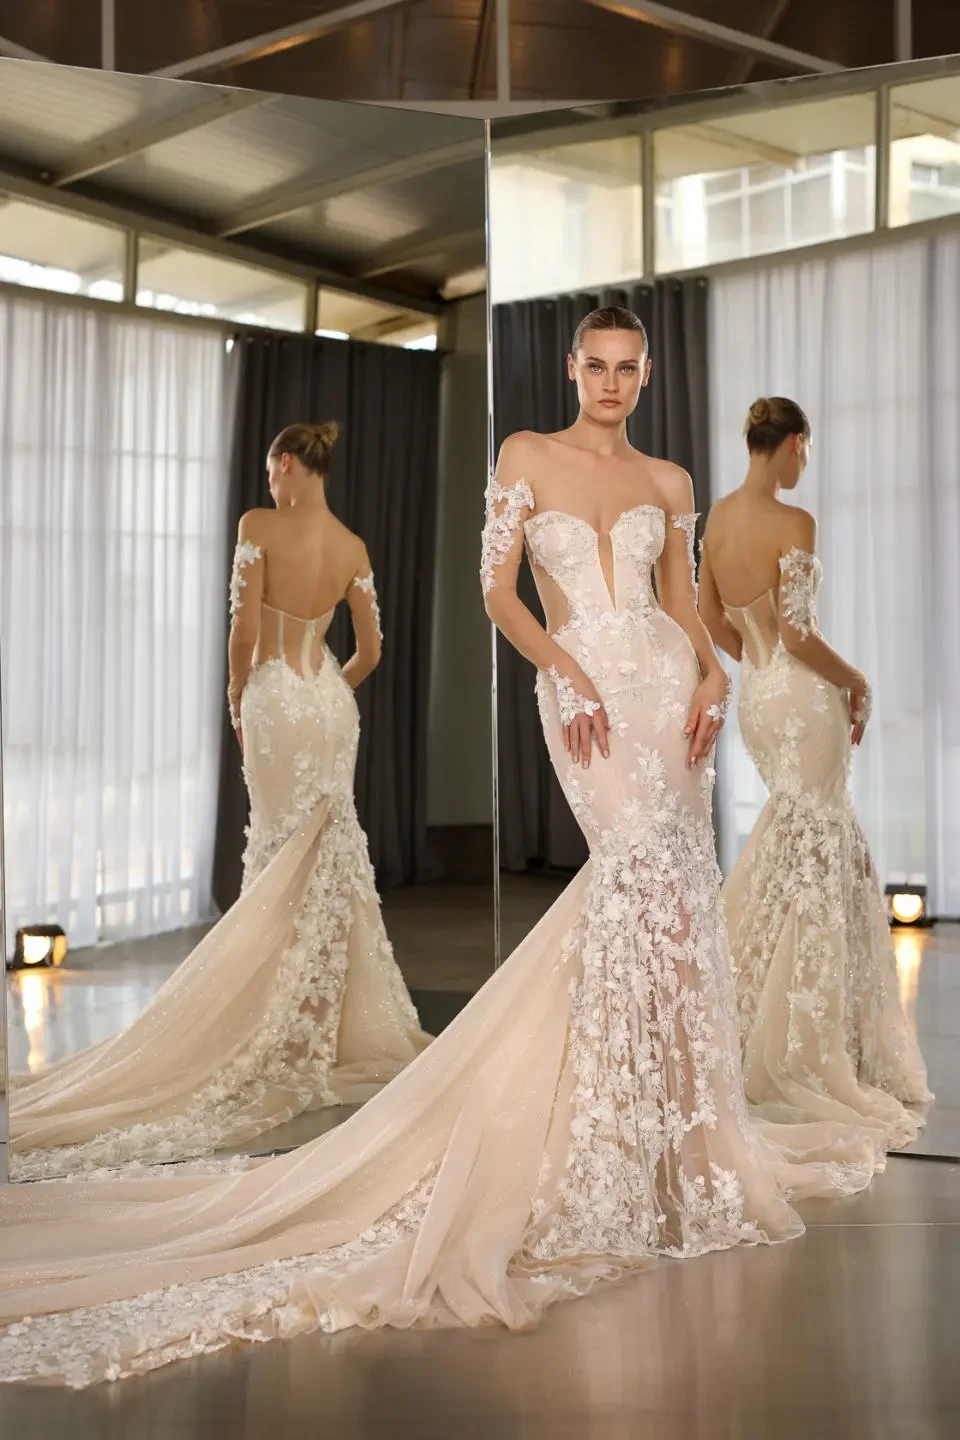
[(386, 205)]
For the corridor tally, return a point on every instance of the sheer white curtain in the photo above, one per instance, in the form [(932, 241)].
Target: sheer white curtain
[(868, 343), (113, 478)]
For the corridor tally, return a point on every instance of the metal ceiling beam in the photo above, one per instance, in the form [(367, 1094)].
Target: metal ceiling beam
[(428, 245), (300, 194), (108, 34), (926, 124), (153, 129), (745, 144), (742, 67), (187, 232), (13, 51), (903, 16), (503, 51), (481, 49), (288, 37), (398, 52), (695, 27)]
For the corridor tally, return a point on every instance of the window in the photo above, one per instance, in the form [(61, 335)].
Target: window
[(51, 249), (192, 282), (764, 181), (583, 201), (925, 151)]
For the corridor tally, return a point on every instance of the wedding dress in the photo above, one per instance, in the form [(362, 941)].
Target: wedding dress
[(582, 1115), (821, 1023), (293, 1000)]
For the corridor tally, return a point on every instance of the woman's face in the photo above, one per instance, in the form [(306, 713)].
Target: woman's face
[(610, 369)]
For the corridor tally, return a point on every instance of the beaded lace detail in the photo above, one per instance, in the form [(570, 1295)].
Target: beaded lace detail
[(245, 554), (800, 576), (365, 583)]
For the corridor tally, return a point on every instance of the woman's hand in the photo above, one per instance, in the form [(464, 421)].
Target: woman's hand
[(582, 716), (708, 710), (233, 703), (861, 703)]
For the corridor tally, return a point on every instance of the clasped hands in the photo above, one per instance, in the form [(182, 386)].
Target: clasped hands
[(590, 725)]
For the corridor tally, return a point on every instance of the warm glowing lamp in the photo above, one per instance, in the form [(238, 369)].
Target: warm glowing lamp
[(907, 904), (39, 945)]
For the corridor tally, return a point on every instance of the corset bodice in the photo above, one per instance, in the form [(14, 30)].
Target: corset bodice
[(296, 641), (567, 548)]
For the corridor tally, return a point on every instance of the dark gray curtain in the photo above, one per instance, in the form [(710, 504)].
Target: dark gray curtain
[(531, 341), (383, 484)]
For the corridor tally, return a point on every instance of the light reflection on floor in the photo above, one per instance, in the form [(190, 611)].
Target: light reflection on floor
[(54, 1013)]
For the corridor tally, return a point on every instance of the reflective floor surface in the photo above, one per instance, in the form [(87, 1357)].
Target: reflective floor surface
[(848, 1333), (443, 940)]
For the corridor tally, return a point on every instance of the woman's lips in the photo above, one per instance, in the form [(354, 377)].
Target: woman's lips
[(611, 404)]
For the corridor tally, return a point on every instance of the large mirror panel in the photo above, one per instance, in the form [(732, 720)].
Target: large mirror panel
[(246, 673), (797, 240)]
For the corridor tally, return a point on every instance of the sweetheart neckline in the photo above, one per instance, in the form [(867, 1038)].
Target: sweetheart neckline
[(569, 515)]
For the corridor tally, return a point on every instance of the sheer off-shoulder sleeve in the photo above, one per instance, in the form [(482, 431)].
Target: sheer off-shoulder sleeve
[(676, 568), (247, 567), (800, 574), (364, 594), (246, 595), (502, 541)]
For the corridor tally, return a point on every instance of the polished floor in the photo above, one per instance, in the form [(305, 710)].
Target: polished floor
[(443, 939), (848, 1333)]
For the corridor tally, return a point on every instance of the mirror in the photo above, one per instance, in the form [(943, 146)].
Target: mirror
[(218, 304), (802, 239)]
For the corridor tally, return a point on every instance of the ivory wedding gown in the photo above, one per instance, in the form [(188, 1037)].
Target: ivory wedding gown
[(821, 1023), (583, 1114), (293, 1000)]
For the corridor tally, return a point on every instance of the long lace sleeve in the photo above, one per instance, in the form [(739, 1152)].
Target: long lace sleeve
[(502, 538), (366, 587), (246, 593), (688, 525), (800, 574), (365, 615)]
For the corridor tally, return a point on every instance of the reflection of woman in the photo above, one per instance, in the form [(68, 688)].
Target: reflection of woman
[(820, 1016), (293, 1001), (584, 1111)]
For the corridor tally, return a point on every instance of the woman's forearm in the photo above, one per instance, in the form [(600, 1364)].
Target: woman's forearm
[(814, 651), (240, 652), (358, 667), (521, 627)]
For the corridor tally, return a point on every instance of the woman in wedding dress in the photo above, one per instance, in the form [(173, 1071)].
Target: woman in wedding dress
[(821, 1023), (584, 1113), (293, 1000)]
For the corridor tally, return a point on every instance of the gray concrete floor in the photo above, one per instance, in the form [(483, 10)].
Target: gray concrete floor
[(848, 1333)]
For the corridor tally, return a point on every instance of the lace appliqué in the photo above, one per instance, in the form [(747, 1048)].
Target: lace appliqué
[(365, 583), (285, 1065), (688, 524), (569, 702), (800, 574), (245, 554), (863, 707), (505, 507)]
